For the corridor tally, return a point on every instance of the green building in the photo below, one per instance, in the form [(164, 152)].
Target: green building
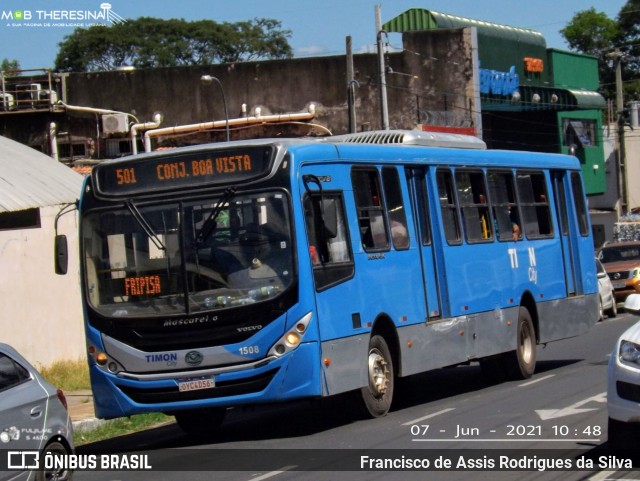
[(532, 98)]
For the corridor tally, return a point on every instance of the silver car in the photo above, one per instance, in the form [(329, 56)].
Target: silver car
[(607, 297), (33, 420)]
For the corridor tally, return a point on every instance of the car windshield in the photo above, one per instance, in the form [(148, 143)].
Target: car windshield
[(619, 253), (182, 257)]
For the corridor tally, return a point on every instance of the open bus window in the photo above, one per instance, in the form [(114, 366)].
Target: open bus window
[(473, 203), (534, 200), (448, 207), (371, 218), (505, 208), (330, 252)]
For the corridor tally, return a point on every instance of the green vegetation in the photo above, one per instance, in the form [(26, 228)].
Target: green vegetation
[(67, 375), (609, 40), (152, 42), (120, 427)]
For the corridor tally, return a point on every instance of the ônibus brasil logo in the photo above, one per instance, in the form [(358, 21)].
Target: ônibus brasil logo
[(62, 18)]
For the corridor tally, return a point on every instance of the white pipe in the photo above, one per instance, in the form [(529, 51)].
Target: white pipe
[(93, 110), (53, 140), (179, 129), (157, 120)]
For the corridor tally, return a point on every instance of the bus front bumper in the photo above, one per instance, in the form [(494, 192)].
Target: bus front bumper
[(117, 396)]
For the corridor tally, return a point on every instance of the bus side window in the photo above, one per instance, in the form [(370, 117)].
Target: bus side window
[(395, 208), (581, 207), (330, 252), (448, 206), (369, 202), (532, 192), (473, 204), (505, 208)]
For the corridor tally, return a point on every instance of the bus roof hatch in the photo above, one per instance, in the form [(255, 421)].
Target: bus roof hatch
[(411, 137)]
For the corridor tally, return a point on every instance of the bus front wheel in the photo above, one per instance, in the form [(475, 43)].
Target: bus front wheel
[(378, 394), (522, 361)]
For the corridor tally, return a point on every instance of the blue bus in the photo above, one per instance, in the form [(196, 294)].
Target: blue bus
[(270, 270)]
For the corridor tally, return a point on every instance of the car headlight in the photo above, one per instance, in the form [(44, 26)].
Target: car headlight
[(630, 352)]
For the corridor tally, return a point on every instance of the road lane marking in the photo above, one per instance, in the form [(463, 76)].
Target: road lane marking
[(546, 414), (544, 378), (271, 474), (428, 416), (603, 475)]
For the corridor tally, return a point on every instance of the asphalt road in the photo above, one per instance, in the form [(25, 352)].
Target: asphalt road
[(504, 430)]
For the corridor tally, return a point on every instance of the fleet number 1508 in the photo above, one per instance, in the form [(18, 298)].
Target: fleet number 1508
[(244, 350)]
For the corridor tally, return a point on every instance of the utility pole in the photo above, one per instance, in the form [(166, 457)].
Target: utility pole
[(351, 83), (384, 108), (620, 143)]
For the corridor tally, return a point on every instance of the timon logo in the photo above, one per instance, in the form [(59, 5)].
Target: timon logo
[(193, 358)]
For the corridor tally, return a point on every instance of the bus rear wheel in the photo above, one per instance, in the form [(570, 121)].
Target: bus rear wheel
[(522, 361), (378, 394), (200, 422)]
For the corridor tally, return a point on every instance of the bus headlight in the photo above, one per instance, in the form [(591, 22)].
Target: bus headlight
[(103, 361), (292, 338)]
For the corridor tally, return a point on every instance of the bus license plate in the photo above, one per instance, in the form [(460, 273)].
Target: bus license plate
[(618, 284), (185, 385)]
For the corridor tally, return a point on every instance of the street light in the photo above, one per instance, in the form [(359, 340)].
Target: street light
[(208, 80)]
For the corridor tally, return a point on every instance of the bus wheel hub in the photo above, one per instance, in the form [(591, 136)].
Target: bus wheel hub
[(378, 373)]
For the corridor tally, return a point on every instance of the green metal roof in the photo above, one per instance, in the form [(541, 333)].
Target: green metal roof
[(548, 98), (421, 19)]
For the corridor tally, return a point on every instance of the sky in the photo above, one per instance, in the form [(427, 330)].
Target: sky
[(318, 27)]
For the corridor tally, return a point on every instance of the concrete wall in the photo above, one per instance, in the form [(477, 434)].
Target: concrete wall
[(41, 311), (430, 64)]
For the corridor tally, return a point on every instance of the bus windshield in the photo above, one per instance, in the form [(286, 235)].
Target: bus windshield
[(155, 259)]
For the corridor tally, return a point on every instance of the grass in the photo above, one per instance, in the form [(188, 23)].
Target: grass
[(74, 376), (68, 375), (120, 427)]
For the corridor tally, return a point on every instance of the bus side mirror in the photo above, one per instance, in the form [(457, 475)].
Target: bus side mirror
[(61, 254), (330, 218)]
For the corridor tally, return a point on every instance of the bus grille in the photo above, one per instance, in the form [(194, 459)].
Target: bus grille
[(223, 389)]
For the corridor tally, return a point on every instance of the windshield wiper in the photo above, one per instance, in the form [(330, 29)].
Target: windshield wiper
[(145, 226), (211, 224)]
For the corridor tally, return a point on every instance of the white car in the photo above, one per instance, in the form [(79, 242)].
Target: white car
[(607, 297), (623, 389)]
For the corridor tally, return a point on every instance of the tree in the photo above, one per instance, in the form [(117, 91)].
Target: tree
[(9, 66), (594, 33), (150, 42)]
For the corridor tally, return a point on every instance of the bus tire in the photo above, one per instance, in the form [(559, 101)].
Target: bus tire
[(378, 394), (522, 361), (200, 422)]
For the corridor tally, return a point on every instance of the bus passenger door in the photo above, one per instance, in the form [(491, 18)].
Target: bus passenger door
[(420, 206), (567, 234)]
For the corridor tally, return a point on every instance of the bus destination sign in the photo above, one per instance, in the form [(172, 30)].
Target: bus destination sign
[(182, 170)]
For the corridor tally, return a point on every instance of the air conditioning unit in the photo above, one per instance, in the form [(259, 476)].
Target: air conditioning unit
[(7, 101), (48, 96), (28, 91), (115, 123)]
